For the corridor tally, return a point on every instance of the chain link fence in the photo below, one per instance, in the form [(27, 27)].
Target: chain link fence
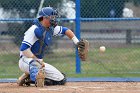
[(114, 24)]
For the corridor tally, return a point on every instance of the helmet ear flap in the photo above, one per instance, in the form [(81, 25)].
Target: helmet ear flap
[(40, 18)]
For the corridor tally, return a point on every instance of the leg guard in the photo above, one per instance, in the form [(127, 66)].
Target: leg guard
[(37, 75), (33, 70)]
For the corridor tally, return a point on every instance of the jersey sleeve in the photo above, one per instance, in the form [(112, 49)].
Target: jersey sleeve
[(29, 38), (59, 31), (24, 47)]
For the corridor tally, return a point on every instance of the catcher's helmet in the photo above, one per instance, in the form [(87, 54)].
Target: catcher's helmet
[(47, 11)]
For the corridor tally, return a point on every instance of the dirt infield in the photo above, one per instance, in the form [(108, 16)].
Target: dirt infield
[(75, 87)]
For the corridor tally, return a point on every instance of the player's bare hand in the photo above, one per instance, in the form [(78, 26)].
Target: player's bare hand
[(41, 62)]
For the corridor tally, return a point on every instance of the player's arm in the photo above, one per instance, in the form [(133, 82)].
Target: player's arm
[(82, 44), (29, 39), (28, 53), (72, 36), (60, 31), (26, 50)]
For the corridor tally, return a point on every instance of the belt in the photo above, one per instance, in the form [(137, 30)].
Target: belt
[(21, 56), (30, 61)]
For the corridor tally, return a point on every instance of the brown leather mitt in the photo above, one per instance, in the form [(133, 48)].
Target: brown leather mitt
[(83, 46)]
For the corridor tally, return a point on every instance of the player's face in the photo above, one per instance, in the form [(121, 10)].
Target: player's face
[(47, 20)]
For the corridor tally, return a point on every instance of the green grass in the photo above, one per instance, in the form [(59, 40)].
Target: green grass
[(115, 62)]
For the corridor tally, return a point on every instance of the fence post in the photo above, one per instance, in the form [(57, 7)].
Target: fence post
[(128, 37), (78, 63)]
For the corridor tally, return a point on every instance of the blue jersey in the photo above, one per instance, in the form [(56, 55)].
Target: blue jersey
[(38, 38)]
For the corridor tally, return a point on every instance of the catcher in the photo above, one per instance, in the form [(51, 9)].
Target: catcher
[(36, 39)]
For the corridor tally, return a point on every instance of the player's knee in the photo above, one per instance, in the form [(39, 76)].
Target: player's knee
[(64, 80), (53, 82)]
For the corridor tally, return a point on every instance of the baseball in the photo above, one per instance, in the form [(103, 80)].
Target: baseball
[(102, 49)]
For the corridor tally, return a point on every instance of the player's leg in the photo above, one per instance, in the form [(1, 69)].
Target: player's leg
[(37, 73), (53, 76), (32, 67), (53, 82), (24, 67), (21, 80)]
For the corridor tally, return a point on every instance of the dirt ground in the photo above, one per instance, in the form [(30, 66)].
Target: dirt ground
[(75, 87)]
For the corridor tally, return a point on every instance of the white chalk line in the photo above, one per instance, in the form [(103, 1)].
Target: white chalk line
[(81, 88), (52, 89), (117, 90), (103, 87)]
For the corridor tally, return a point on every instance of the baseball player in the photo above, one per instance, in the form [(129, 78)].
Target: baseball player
[(36, 39)]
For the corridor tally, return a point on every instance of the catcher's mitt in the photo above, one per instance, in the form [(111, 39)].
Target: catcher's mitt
[(40, 78), (83, 46)]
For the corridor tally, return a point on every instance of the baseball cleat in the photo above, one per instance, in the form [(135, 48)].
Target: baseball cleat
[(22, 79)]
